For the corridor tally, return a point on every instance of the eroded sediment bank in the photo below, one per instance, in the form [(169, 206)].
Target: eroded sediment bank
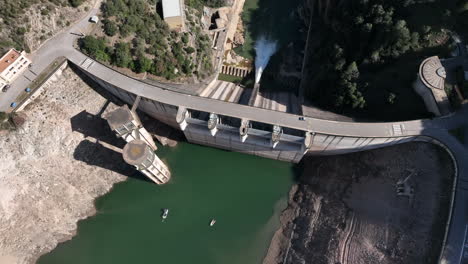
[(346, 209)]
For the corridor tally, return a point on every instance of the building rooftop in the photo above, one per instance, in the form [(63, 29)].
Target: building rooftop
[(119, 117), (171, 8), (136, 152), (432, 73), (7, 59)]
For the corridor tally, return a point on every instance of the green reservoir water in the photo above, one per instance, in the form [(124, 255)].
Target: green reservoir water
[(244, 193)]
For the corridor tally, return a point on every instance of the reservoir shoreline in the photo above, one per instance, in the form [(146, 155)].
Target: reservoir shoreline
[(51, 172), (196, 194), (336, 207)]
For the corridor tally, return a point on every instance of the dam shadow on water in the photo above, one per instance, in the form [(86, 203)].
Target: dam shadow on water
[(244, 193)]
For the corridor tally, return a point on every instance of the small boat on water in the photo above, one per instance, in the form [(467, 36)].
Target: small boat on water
[(213, 221), (165, 213)]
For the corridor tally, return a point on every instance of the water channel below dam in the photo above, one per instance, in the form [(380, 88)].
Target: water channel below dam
[(244, 193)]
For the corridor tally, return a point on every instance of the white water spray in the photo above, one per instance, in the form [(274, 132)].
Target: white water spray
[(264, 49)]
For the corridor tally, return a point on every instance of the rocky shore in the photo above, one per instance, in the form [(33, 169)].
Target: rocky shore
[(51, 171), (345, 209)]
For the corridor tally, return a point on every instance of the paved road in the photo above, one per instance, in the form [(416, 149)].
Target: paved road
[(62, 45), (41, 58)]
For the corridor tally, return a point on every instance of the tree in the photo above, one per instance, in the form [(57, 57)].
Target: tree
[(185, 38), (158, 68), (122, 56), (110, 28), (143, 64), (189, 50), (125, 30), (94, 47), (75, 3), (351, 72), (348, 92), (138, 46), (186, 66)]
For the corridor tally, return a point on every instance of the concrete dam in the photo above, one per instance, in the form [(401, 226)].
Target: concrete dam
[(243, 128)]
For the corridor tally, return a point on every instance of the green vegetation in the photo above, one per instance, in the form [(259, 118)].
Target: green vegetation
[(247, 81), (230, 78), (364, 54), (13, 21), (9, 121), (198, 4), (143, 42)]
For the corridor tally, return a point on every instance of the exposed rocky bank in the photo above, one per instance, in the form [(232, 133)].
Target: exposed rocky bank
[(50, 174), (346, 209)]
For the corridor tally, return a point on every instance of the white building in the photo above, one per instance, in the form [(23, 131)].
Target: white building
[(12, 64), (173, 13)]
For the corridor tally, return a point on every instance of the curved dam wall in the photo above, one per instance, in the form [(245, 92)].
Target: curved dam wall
[(287, 145)]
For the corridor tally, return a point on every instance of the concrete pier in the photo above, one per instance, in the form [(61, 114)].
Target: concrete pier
[(181, 118), (244, 129), (127, 125), (276, 135), (213, 124), (140, 148), (140, 155), (308, 139)]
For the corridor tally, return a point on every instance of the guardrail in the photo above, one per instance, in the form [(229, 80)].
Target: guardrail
[(37, 83)]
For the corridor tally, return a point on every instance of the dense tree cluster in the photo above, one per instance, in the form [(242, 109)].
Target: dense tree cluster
[(146, 44), (12, 19), (360, 35)]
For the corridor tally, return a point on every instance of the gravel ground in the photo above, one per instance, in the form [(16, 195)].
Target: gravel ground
[(50, 174), (345, 209)]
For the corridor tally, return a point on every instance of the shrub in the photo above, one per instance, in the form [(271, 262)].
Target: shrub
[(110, 28), (75, 3)]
